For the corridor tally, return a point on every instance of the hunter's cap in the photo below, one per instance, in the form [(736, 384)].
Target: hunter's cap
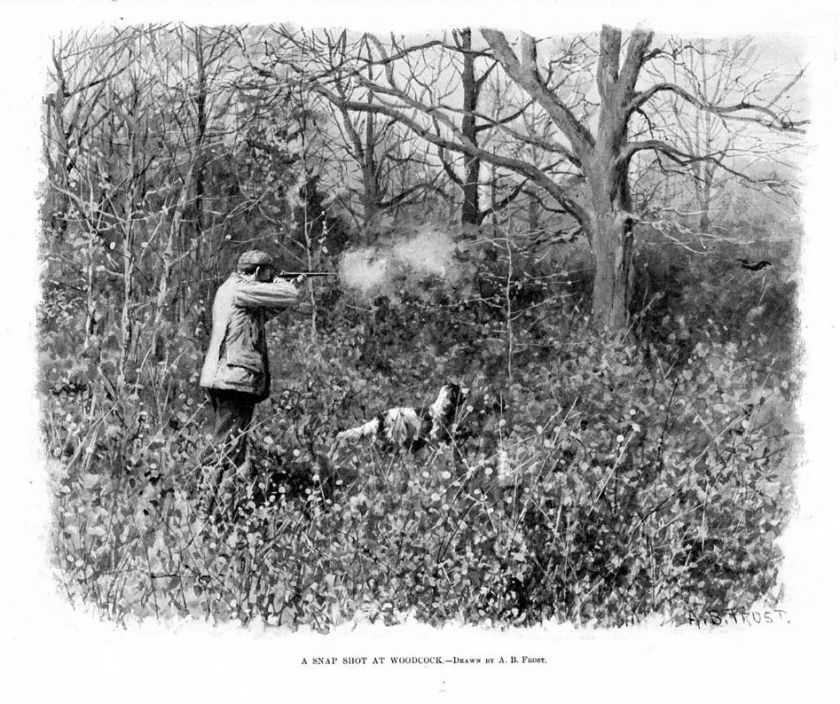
[(250, 260)]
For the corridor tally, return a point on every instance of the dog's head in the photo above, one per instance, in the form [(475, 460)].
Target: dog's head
[(449, 399)]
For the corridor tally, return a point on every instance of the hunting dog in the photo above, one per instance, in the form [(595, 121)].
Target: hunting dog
[(412, 428)]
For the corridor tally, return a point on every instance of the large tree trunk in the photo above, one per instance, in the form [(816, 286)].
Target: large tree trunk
[(705, 222), (372, 194), (611, 224), (470, 212), (612, 242)]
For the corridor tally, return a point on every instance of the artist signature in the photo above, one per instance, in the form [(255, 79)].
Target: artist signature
[(723, 617)]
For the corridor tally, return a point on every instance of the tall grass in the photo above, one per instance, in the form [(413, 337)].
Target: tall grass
[(605, 488), (591, 479)]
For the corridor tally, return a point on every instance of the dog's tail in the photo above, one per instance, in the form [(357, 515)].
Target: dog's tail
[(365, 430)]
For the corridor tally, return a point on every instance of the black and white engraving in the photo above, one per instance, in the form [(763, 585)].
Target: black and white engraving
[(470, 326)]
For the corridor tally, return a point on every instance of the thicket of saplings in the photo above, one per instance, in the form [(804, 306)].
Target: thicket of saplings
[(592, 480)]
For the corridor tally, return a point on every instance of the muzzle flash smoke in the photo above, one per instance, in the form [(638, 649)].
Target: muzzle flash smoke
[(375, 270)]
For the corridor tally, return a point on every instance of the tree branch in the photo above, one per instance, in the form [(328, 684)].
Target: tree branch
[(527, 76), (504, 202), (447, 167), (774, 121), (685, 158), (516, 165), (606, 74), (391, 202)]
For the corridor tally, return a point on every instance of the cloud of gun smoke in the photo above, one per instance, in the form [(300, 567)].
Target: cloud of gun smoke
[(427, 252), (377, 271), (364, 270)]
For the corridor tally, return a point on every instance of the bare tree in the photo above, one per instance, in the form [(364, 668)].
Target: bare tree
[(81, 67), (127, 157), (372, 160), (722, 71), (130, 160), (444, 72), (191, 65), (495, 104), (606, 153), (390, 174), (405, 89)]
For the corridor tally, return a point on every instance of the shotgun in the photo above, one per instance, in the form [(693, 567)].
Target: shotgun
[(305, 274)]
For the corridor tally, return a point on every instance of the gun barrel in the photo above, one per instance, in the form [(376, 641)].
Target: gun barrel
[(308, 274)]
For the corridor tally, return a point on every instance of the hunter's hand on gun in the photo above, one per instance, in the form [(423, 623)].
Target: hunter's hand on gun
[(285, 279), (299, 277)]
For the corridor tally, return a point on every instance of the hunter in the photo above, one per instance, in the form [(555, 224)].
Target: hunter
[(235, 374)]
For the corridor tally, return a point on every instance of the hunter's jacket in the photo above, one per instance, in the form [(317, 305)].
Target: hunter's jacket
[(237, 357)]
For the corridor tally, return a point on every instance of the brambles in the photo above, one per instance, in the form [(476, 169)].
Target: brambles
[(603, 484)]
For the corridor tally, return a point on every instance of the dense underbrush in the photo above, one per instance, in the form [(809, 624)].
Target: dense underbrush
[(591, 480)]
